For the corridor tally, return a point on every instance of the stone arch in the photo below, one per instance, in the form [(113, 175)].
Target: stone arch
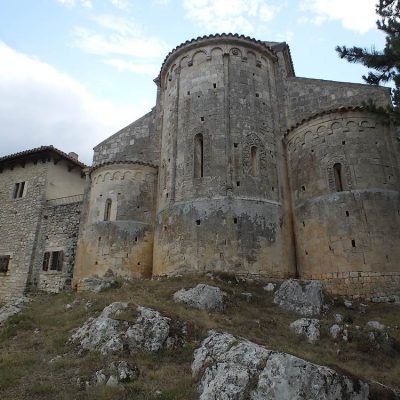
[(351, 126), (252, 57), (183, 61), (346, 179), (216, 51), (117, 175), (107, 175), (199, 57), (252, 142), (127, 175)]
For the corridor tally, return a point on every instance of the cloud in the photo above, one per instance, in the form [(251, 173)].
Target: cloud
[(40, 105), (73, 3), (137, 68), (121, 4), (356, 15), (229, 15), (117, 36)]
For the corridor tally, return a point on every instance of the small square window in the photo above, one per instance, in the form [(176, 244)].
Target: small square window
[(4, 262), (53, 260)]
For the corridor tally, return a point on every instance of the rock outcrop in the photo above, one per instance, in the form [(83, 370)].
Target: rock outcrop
[(202, 297), (305, 298), (307, 327), (11, 308), (229, 368), (96, 284), (150, 331)]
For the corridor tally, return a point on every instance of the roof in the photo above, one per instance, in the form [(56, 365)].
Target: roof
[(40, 151), (330, 111), (216, 36)]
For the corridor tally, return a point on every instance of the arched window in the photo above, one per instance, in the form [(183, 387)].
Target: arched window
[(107, 210), (337, 171), (254, 164), (198, 156)]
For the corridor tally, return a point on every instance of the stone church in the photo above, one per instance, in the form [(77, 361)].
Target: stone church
[(245, 168)]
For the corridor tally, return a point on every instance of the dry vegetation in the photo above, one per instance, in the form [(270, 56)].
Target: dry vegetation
[(31, 339)]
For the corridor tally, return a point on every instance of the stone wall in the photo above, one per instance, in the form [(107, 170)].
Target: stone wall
[(123, 241), (138, 141), (306, 97), (19, 224), (58, 231), (351, 231), (230, 216)]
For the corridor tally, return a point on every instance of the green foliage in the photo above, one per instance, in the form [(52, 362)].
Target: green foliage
[(385, 64)]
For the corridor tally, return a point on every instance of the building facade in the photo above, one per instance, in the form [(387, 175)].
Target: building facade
[(41, 192), (245, 168)]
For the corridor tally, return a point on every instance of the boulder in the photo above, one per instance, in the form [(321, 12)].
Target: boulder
[(338, 318), (202, 297), (96, 284), (149, 331), (270, 287), (304, 298), (335, 331), (309, 328), (116, 373), (104, 333), (229, 368), (12, 307), (375, 325)]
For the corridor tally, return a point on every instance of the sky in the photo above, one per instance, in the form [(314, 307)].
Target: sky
[(73, 72)]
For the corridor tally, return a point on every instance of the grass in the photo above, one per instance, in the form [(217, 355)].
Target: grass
[(29, 340)]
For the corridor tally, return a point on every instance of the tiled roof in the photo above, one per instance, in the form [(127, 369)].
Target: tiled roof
[(42, 149)]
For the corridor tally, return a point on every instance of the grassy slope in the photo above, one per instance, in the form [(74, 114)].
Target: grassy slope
[(31, 339)]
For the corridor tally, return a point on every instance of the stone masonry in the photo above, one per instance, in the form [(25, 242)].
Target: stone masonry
[(258, 172)]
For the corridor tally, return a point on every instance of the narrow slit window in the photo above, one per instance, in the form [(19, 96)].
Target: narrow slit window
[(337, 170), (107, 210), (198, 156), (4, 261), (353, 243), (254, 160), (56, 261)]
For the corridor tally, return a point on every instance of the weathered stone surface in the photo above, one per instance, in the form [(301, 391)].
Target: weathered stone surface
[(270, 287), (335, 331), (235, 369), (11, 308), (203, 297), (309, 328), (150, 331), (97, 284), (375, 325), (116, 373), (103, 333), (304, 298)]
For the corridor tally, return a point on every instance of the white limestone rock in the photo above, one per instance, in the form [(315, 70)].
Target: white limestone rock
[(96, 284), (335, 331), (229, 368), (116, 373), (12, 307), (270, 287), (202, 297), (103, 333), (305, 298), (309, 328), (338, 318), (150, 331), (375, 325)]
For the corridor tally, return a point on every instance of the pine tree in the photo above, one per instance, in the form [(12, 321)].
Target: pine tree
[(385, 64)]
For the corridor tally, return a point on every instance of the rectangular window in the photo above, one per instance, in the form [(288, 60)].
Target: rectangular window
[(19, 190), (53, 260), (4, 261)]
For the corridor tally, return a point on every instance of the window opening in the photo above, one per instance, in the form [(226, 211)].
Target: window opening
[(254, 160), (337, 170), (107, 210), (198, 156), (19, 190), (4, 262), (353, 243)]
